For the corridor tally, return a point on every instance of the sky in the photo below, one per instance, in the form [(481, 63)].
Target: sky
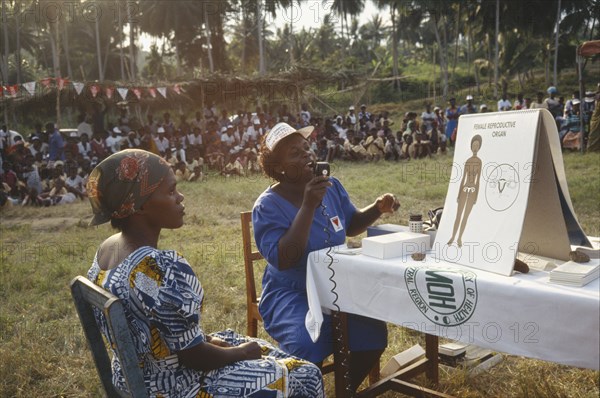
[(309, 14)]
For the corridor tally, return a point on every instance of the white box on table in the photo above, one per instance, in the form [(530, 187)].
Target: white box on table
[(397, 244)]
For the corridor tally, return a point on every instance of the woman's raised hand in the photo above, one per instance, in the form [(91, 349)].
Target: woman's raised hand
[(387, 203), (315, 191)]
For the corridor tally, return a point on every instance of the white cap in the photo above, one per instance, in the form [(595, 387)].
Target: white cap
[(116, 130), (469, 97), (351, 108), (160, 130), (73, 134), (576, 101), (282, 130), (256, 121), (482, 106), (223, 129)]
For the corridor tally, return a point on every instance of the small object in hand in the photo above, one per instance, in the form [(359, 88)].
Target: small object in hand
[(353, 244), (418, 256), (579, 257), (521, 266)]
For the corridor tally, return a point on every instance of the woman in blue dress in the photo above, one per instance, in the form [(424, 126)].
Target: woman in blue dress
[(452, 114), (162, 297), (298, 214)]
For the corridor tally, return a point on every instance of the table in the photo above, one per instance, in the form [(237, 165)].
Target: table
[(520, 315)]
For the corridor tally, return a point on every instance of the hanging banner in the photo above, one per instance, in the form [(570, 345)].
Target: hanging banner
[(138, 92), (60, 83), (30, 87), (176, 88), (78, 87), (109, 92), (123, 92), (152, 92), (11, 91), (94, 89), (46, 82)]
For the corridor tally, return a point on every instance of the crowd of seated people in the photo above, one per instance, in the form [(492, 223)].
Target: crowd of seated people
[(51, 168)]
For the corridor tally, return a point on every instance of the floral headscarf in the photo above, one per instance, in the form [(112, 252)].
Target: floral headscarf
[(120, 184)]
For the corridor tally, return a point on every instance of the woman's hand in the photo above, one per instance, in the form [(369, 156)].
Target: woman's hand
[(251, 350), (387, 203), (315, 191)]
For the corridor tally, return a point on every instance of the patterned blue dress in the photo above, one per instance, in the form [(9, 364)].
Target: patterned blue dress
[(162, 298)]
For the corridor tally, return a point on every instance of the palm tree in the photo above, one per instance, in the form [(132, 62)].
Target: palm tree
[(344, 8), (164, 19), (497, 49)]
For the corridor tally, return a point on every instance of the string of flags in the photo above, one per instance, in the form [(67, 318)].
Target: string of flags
[(94, 88)]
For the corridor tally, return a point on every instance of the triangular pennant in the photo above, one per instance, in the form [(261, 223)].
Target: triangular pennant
[(109, 92), (94, 89), (60, 83), (11, 91), (177, 89), (138, 92), (78, 87), (163, 91), (46, 82), (123, 92), (152, 92), (30, 87)]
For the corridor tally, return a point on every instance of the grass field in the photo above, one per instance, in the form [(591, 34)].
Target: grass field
[(42, 349)]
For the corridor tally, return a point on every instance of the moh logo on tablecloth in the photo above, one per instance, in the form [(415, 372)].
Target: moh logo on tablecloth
[(446, 296)]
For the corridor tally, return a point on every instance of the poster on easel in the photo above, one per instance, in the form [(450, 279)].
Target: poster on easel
[(507, 193)]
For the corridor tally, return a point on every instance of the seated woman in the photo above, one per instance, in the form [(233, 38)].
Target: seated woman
[(301, 213), (136, 191)]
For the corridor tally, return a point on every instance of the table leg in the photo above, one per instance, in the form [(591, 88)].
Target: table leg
[(431, 353)]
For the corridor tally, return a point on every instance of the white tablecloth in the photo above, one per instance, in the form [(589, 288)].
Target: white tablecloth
[(521, 315)]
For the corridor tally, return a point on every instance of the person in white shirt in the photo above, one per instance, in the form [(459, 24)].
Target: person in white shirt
[(194, 138), (162, 143), (428, 117), (504, 104), (351, 119), (227, 139), (305, 115), (75, 183), (84, 146), (113, 142), (84, 127)]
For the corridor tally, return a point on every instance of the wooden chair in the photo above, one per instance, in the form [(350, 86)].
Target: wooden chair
[(250, 256), (86, 296)]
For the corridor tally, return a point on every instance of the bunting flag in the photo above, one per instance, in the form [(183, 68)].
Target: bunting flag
[(123, 92), (60, 83), (94, 89), (11, 91), (46, 82), (78, 87), (30, 87)]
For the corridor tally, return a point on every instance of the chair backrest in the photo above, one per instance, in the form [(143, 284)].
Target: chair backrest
[(250, 257), (86, 296)]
